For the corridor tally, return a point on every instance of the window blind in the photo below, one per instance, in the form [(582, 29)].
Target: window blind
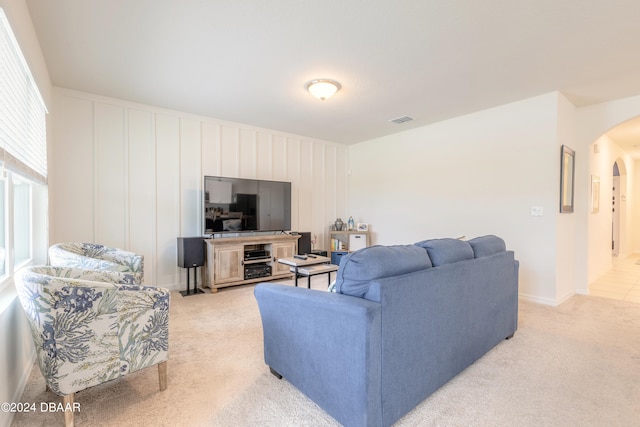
[(23, 134)]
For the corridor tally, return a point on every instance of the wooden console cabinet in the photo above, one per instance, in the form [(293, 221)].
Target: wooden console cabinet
[(228, 258)]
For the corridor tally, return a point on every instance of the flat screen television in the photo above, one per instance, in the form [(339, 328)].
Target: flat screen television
[(236, 205)]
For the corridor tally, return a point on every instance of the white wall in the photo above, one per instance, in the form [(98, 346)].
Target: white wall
[(592, 123), (567, 225), (130, 175), (481, 173), (472, 175)]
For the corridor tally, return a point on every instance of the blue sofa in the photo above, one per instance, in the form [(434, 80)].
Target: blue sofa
[(403, 321)]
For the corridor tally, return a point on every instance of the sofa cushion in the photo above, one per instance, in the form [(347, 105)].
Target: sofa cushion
[(358, 269), (487, 245), (446, 251)]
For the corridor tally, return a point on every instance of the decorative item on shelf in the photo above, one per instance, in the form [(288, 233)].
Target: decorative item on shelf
[(313, 241), (362, 226), (338, 245), (339, 224), (350, 224)]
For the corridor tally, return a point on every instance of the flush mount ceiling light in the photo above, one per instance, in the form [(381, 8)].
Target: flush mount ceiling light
[(323, 88)]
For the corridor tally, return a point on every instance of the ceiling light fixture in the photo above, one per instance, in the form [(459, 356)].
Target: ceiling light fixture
[(323, 88)]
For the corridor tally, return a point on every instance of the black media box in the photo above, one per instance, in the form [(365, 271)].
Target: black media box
[(257, 270)]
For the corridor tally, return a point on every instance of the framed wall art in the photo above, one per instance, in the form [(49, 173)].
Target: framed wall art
[(567, 172)]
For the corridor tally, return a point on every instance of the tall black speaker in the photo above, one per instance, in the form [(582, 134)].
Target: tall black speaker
[(191, 255), (304, 243), (190, 252)]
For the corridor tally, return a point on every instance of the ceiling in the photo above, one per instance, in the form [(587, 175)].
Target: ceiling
[(248, 61)]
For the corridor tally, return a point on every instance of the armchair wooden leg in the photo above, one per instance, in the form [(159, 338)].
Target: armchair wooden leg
[(162, 375), (67, 402)]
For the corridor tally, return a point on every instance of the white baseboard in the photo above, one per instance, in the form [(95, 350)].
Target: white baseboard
[(544, 301), (538, 300)]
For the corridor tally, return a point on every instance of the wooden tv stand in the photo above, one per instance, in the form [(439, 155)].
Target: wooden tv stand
[(228, 258)]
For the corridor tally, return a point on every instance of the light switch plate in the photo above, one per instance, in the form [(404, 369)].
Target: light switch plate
[(536, 210)]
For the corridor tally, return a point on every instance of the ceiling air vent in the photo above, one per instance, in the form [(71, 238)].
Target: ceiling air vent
[(401, 119)]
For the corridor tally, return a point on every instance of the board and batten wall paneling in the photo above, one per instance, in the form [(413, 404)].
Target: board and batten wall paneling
[(142, 187), (293, 175), (248, 156), (167, 209), (305, 195), (111, 177), (264, 163), (318, 182), (190, 178), (279, 158), (190, 186), (130, 175), (229, 151), (210, 160), (330, 169)]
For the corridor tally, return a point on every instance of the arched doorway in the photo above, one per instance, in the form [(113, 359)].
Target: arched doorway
[(618, 208), (610, 237), (615, 211), (613, 140)]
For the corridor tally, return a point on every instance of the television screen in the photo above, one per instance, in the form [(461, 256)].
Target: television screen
[(233, 205)]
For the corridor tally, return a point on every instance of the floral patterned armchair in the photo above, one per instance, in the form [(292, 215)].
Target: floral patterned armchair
[(89, 328), (92, 256)]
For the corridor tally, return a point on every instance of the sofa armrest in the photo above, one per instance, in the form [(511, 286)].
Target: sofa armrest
[(327, 345)]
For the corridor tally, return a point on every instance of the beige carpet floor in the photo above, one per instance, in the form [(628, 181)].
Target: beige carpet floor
[(573, 365)]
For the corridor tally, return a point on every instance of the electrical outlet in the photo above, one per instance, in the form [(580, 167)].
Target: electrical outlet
[(536, 210)]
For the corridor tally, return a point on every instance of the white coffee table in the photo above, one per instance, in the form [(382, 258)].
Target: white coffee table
[(311, 266)]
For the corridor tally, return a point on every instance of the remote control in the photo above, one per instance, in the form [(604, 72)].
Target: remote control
[(312, 256), (300, 256)]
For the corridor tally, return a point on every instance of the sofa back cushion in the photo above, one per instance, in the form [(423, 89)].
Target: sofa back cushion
[(487, 245), (358, 269), (446, 251)]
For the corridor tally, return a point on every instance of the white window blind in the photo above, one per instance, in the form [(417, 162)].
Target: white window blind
[(23, 135)]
